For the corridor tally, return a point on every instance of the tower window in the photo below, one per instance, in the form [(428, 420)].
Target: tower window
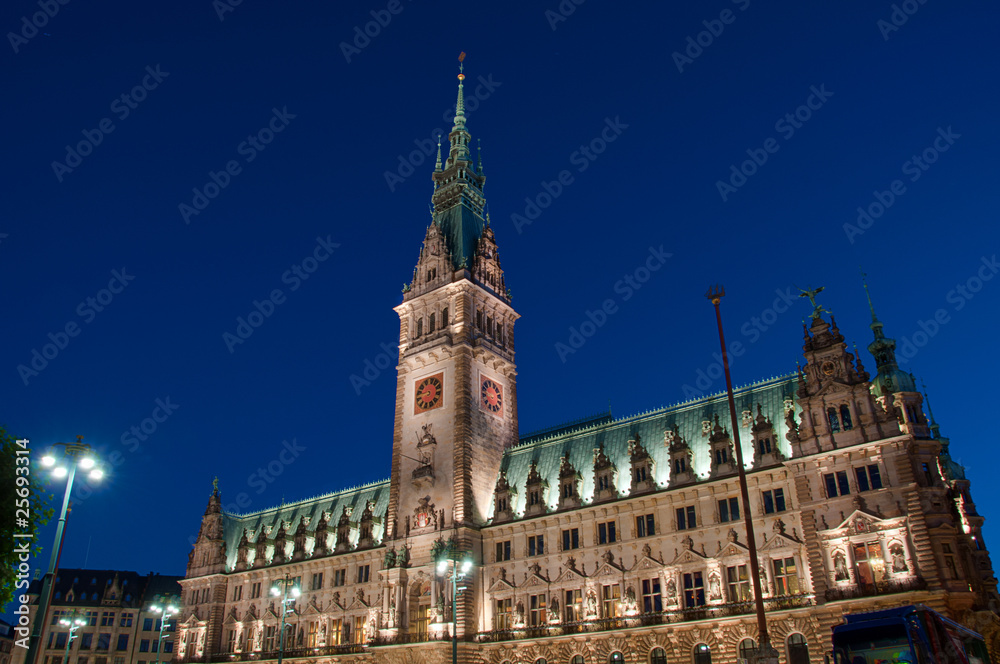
[(420, 326), (430, 324), (489, 326), (444, 317), (845, 417), (831, 414)]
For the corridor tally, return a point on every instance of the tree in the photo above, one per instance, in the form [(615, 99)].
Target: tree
[(38, 513)]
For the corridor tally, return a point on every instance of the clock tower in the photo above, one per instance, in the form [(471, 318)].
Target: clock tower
[(456, 394)]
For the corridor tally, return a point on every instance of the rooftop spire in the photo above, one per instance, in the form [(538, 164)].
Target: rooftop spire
[(935, 428), (871, 307), (460, 104), (437, 164)]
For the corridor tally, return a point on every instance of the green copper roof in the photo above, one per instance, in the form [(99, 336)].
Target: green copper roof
[(462, 228), (332, 503), (547, 451)]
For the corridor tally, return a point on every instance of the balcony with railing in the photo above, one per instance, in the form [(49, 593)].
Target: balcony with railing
[(712, 612), (889, 587)]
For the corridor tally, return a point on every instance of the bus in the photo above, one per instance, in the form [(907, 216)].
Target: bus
[(911, 634)]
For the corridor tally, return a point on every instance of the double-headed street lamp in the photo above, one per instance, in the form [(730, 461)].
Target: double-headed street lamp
[(284, 588), (458, 571), (166, 609), (64, 465), (74, 621)]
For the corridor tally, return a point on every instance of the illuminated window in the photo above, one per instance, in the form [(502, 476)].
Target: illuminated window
[(610, 600), (702, 654), (694, 590), (502, 617), (574, 605), (658, 656), (738, 581), (786, 580)]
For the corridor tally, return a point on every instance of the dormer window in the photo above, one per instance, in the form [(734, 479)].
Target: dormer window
[(764, 444), (680, 465), (721, 456)]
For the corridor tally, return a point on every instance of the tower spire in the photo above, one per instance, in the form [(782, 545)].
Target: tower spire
[(437, 164), (935, 429), (460, 104), (889, 377)]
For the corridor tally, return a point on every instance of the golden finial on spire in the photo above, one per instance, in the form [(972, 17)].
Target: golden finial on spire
[(461, 66)]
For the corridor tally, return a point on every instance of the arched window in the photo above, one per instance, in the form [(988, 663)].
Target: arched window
[(541, 660), (444, 317), (616, 658), (845, 417), (577, 659), (430, 324), (831, 414), (747, 648), (702, 654), (798, 649), (420, 326), (658, 656)]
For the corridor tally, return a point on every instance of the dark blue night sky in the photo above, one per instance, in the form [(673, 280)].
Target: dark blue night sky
[(174, 168)]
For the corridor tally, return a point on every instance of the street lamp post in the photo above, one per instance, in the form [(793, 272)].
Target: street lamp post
[(74, 622), (457, 574), (287, 587), (765, 653), (78, 454), (166, 611)]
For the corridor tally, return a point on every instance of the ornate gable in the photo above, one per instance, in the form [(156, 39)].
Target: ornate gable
[(646, 561), (570, 574), (608, 566)]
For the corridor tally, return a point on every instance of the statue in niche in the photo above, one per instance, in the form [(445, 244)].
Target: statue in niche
[(714, 587), (591, 605), (840, 566), (519, 614), (671, 589), (390, 558), (630, 602), (898, 558), (403, 558), (554, 606)]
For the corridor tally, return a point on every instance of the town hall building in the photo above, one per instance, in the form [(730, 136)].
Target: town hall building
[(604, 540)]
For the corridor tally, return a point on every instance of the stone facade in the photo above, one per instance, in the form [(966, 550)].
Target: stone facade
[(603, 540), (120, 627)]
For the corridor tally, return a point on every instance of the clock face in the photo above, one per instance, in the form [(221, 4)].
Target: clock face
[(491, 396), (828, 368), (428, 393)]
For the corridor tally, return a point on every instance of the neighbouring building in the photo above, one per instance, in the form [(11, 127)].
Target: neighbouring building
[(120, 627), (604, 540), (6, 641)]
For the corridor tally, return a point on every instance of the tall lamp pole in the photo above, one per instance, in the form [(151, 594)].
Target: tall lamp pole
[(458, 573), (287, 587), (74, 622), (166, 611), (764, 650), (74, 454)]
